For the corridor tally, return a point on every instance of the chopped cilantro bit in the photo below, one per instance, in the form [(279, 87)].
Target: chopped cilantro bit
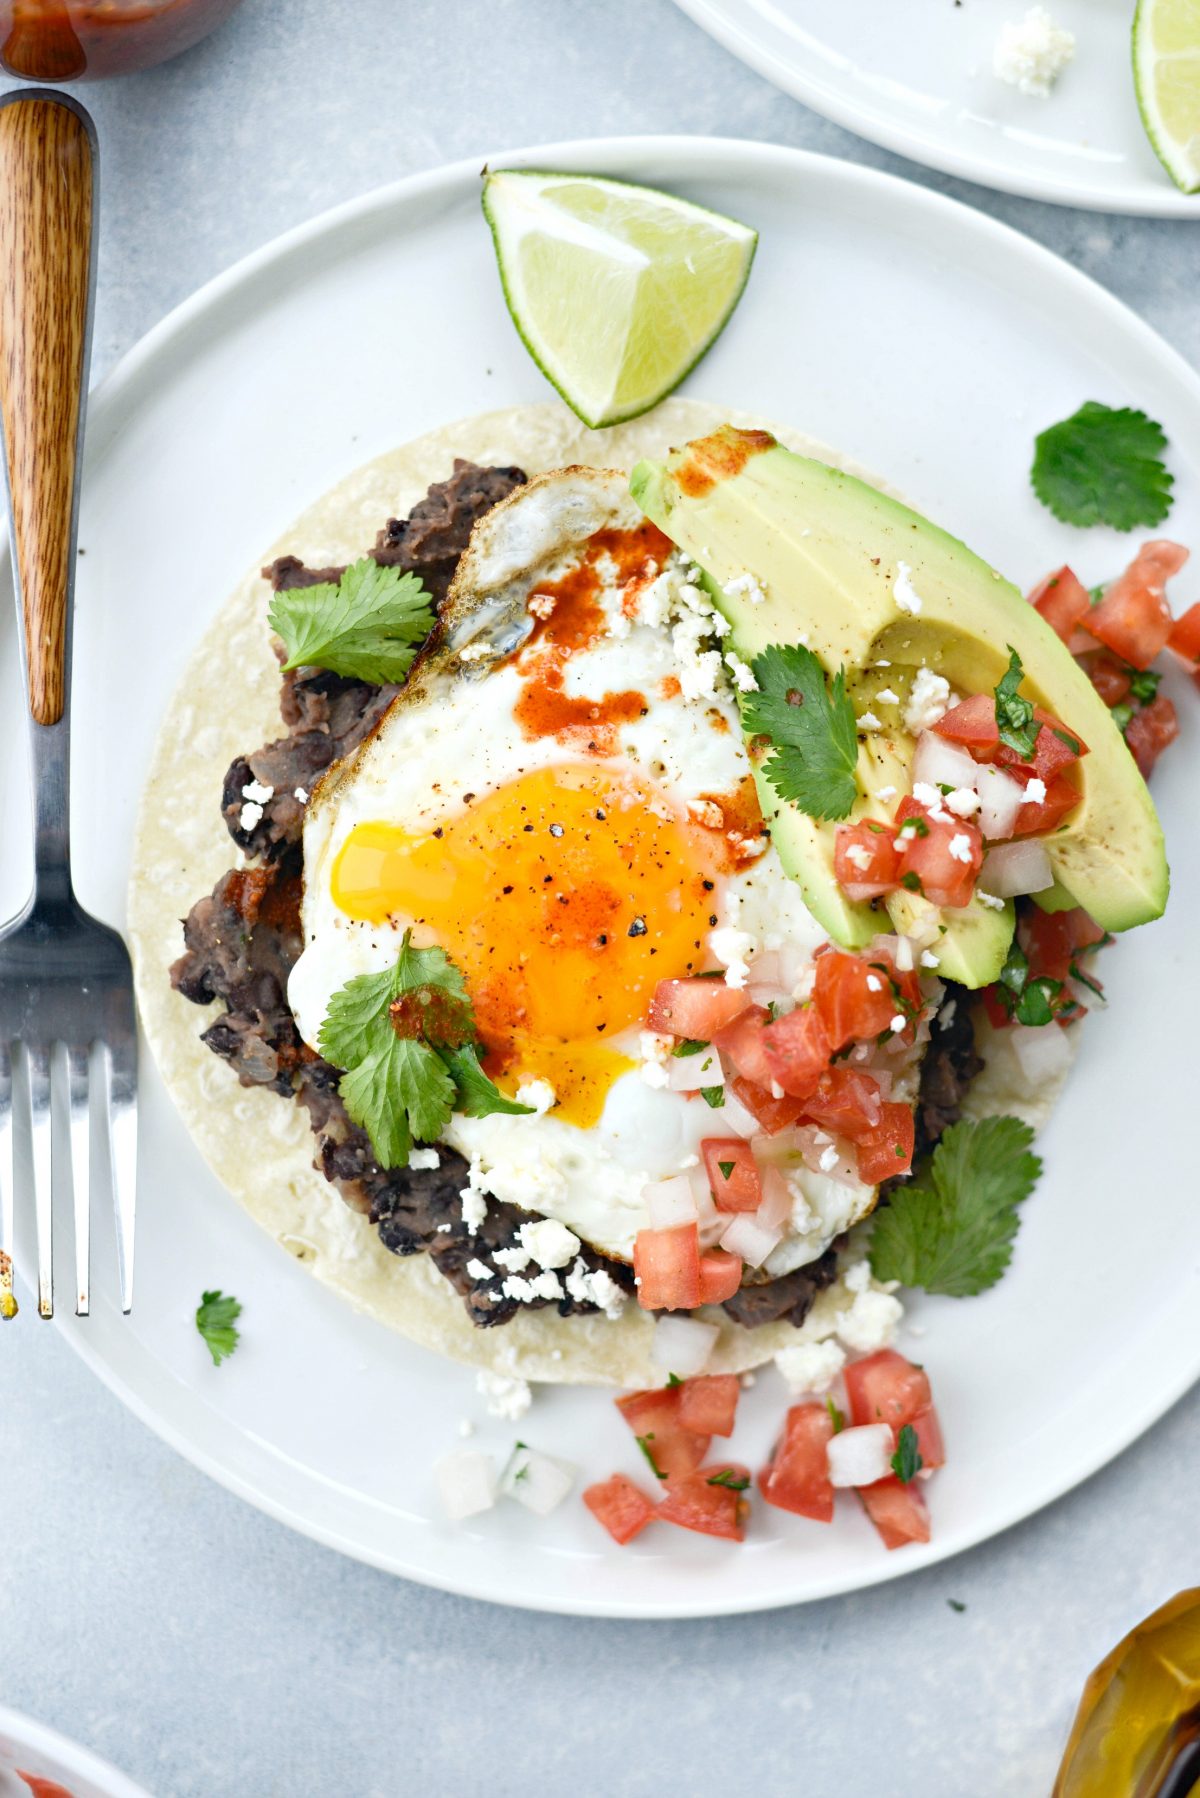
[(1085, 979), (726, 1168), (956, 1604), (951, 1228), (713, 1095), (673, 1379), (1072, 743), (1103, 465), (1121, 714), (811, 727), (1143, 684), (837, 1416), (911, 880), (1036, 1004), (404, 1039), (367, 625), (913, 827), (907, 1462), (688, 1047), (643, 1443), (1014, 716), (733, 1482), (216, 1320)]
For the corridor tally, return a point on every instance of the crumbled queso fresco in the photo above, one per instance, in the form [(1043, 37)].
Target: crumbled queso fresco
[(1031, 53)]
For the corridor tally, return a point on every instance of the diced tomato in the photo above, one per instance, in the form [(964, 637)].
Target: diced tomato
[(1110, 679), (706, 1503), (1048, 940), (846, 1101), (798, 1476), (1085, 932), (898, 1512), (732, 1173), (1037, 816), (720, 1276), (887, 1149), (994, 1008), (885, 1388), (742, 1043), (708, 1403), (865, 859), (854, 998), (1150, 731), (1055, 748), (971, 722), (654, 1418), (1185, 636), (43, 1788), (797, 1050), (621, 1506), (1133, 619), (771, 1113), (695, 1009), (1062, 599), (926, 861), (666, 1265)]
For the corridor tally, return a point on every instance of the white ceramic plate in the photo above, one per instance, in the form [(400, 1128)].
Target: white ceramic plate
[(29, 1747), (930, 344), (918, 79)]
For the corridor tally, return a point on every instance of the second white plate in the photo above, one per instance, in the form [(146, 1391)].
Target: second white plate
[(918, 79), (926, 342)]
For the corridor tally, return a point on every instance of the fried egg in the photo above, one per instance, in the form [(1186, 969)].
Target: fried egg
[(560, 798)]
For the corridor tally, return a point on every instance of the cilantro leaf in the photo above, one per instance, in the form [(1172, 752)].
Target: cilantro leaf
[(216, 1320), (404, 1038), (837, 1416), (951, 1229), (1015, 721), (367, 625), (812, 729), (478, 1096), (688, 1047), (1103, 465), (907, 1462), (713, 1096), (733, 1482)]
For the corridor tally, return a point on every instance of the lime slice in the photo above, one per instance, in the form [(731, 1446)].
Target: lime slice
[(1166, 73), (616, 290)]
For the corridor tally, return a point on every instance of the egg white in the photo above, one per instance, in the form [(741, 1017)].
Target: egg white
[(444, 748)]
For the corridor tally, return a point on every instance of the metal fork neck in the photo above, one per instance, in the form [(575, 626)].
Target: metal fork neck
[(50, 755)]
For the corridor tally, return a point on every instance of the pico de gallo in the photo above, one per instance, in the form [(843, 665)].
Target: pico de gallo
[(883, 1446)]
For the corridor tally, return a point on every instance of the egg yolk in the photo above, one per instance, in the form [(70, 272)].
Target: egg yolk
[(563, 898)]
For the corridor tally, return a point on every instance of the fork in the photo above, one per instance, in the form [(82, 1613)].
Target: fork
[(66, 985)]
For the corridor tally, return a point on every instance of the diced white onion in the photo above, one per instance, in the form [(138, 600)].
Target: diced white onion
[(860, 1455), (774, 994), (1042, 1050), (466, 1481), (1015, 868), (670, 1202), (537, 1481), (744, 1235), (688, 1073), (682, 1345), (776, 1206), (735, 1120), (1000, 799), (815, 1144), (942, 763), (768, 969)]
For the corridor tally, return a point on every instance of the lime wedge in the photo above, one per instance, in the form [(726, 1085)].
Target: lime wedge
[(616, 290), (1166, 73)]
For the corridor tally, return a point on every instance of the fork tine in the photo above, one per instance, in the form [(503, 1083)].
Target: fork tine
[(8, 1304), (81, 1172), (37, 1070), (119, 1086)]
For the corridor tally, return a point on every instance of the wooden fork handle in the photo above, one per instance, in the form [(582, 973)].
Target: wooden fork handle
[(47, 183)]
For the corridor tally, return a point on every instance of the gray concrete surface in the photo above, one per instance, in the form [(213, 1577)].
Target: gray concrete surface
[(198, 1644)]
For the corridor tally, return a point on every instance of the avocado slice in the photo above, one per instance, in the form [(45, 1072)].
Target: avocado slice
[(864, 581)]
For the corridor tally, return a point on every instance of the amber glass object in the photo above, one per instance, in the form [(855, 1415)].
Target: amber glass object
[(79, 40), (1137, 1729)]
